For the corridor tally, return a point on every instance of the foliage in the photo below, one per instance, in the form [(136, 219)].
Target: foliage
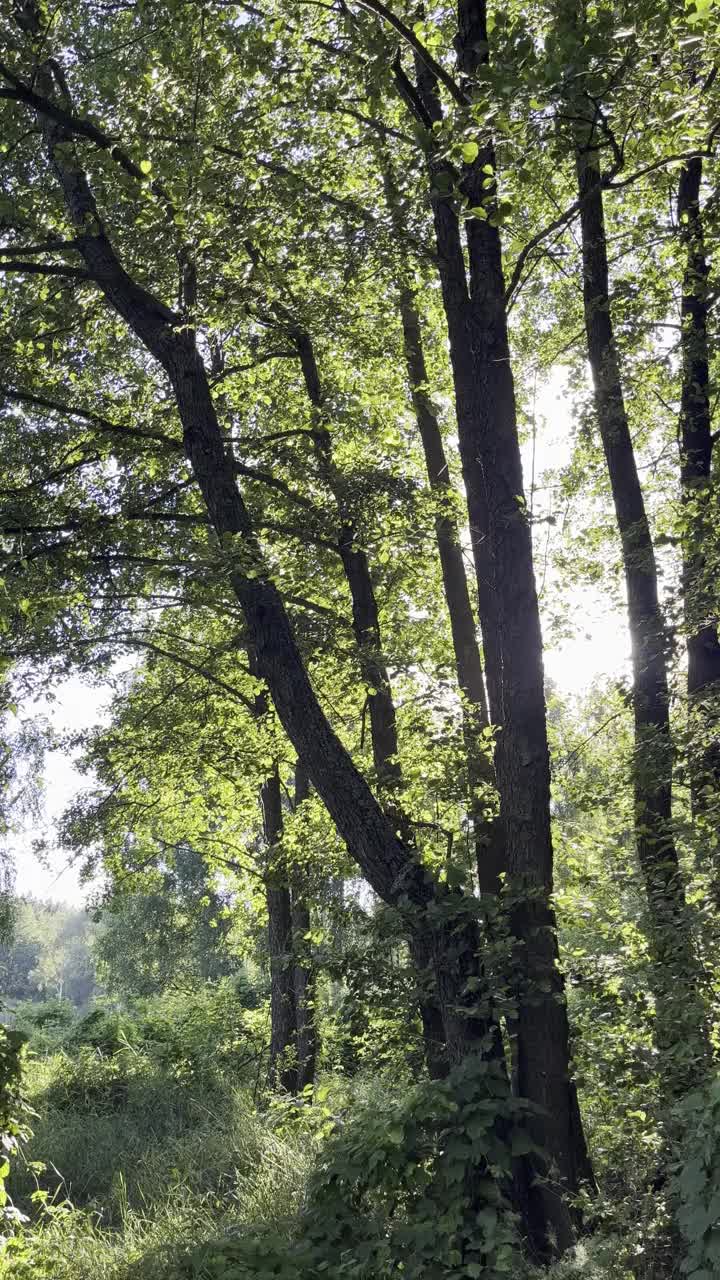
[(49, 955), (696, 1181), (270, 185), (395, 1191), (14, 1115), (153, 1166), (173, 933)]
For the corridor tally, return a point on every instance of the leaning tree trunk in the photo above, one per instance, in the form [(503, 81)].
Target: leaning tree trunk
[(392, 869), (696, 453), (675, 970)]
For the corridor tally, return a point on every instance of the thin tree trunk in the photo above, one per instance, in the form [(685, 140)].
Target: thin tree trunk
[(283, 1070), (373, 668), (490, 453), (487, 832), (675, 969), (303, 969), (696, 452)]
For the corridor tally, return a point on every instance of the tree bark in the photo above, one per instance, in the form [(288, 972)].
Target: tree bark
[(696, 454), (476, 317), (675, 969)]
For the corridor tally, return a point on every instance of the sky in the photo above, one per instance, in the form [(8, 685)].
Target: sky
[(599, 648), (75, 707)]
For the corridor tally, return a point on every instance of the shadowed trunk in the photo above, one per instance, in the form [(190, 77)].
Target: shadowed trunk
[(696, 452), (675, 970), (476, 316), (303, 968), (283, 1071)]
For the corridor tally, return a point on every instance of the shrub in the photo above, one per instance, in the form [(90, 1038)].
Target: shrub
[(696, 1181)]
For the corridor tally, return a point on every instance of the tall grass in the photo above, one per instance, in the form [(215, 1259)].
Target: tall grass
[(152, 1165)]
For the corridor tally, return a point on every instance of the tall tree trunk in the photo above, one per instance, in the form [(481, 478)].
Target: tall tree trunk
[(373, 667), (675, 969), (696, 451), (303, 967), (490, 453), (487, 831)]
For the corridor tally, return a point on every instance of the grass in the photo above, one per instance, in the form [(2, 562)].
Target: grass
[(152, 1166), (155, 1174)]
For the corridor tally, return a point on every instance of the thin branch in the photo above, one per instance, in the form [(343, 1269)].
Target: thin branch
[(252, 364), (88, 415), (43, 269), (22, 92), (132, 641), (381, 10)]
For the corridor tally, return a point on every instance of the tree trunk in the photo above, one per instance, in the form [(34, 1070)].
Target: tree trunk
[(509, 615), (487, 831), (373, 668), (675, 970), (696, 449), (283, 1070), (303, 967)]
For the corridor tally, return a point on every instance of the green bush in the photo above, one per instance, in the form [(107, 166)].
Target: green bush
[(696, 1181), (395, 1193), (120, 1133)]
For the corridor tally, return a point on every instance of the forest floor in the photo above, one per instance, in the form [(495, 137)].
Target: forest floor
[(150, 1174)]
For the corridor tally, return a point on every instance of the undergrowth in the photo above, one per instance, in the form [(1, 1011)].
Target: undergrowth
[(151, 1174), (140, 1169)]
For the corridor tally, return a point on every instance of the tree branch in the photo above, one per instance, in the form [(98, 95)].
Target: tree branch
[(381, 10), (88, 415)]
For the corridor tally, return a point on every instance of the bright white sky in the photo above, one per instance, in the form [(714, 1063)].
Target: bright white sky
[(599, 648)]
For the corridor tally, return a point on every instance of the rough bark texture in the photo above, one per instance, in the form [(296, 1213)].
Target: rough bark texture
[(509, 615), (657, 854), (696, 454)]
